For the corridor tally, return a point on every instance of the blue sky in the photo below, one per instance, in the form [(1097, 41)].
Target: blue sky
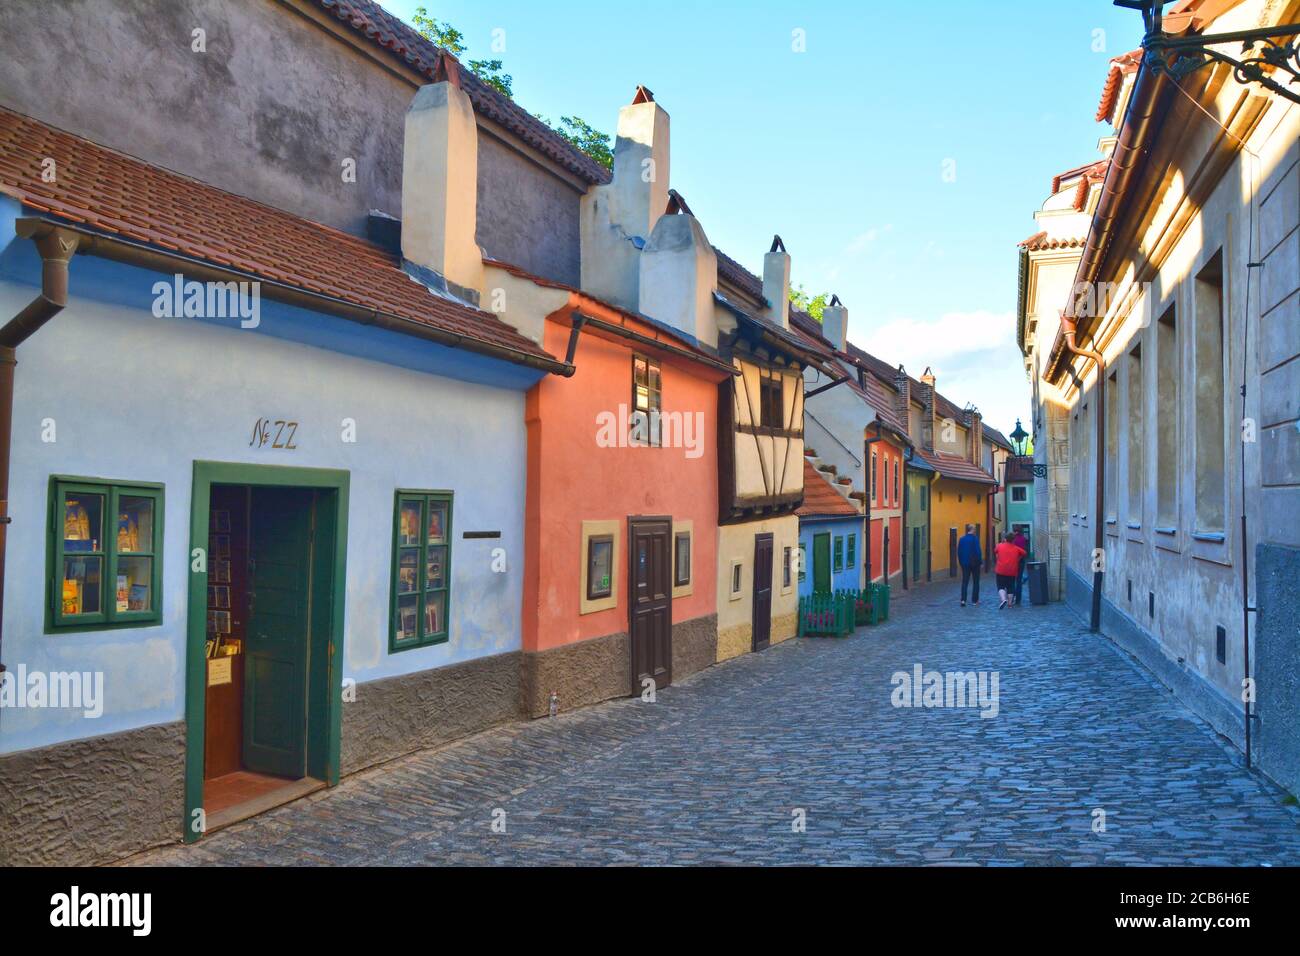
[(842, 148)]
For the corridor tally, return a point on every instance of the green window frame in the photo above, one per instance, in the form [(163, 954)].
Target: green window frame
[(803, 562), (420, 606), (839, 552), (851, 552), (122, 522)]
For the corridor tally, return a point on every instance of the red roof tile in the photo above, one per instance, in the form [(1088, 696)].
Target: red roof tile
[(385, 30), (954, 466), (1039, 241), (123, 196), (1121, 65), (820, 500)]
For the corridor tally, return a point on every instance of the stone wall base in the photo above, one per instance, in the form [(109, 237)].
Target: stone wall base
[(93, 800), (1277, 663), (695, 646), (580, 674), (400, 715), (1191, 688)]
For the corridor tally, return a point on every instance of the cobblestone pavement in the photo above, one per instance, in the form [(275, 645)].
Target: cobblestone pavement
[(714, 770)]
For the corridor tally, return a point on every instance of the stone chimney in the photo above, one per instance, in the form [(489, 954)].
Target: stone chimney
[(440, 185), (928, 422), (835, 324), (617, 218), (974, 423), (903, 396), (776, 283), (679, 274)]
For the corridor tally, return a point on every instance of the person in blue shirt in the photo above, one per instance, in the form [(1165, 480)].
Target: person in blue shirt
[(970, 557)]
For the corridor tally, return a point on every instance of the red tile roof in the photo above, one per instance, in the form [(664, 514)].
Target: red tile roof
[(955, 466), (1039, 241), (1121, 65), (680, 340), (125, 197), (820, 500), (385, 30), (1020, 468), (729, 270)]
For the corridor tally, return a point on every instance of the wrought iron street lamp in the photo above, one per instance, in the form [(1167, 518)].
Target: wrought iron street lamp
[(1265, 52)]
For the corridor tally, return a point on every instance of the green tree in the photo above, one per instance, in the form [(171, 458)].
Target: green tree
[(585, 137), (576, 130), (813, 305), (452, 40)]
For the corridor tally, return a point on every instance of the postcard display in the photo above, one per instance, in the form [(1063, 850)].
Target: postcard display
[(226, 606)]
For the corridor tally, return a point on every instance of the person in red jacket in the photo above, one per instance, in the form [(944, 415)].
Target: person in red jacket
[(1007, 558)]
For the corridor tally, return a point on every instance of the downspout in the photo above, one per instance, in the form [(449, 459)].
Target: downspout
[(57, 249), (1068, 329)]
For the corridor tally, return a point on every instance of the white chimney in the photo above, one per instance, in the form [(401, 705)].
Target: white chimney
[(835, 324), (776, 283), (617, 218), (679, 274), (440, 182)]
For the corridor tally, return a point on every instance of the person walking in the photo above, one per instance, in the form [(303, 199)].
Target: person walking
[(970, 557), (1006, 564), (1021, 542)]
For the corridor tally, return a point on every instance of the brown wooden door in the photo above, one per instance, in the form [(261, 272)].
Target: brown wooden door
[(762, 621), (651, 601)]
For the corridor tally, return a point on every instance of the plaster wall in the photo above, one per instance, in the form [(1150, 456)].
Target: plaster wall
[(735, 610), (1193, 570), (139, 398), (285, 104), (574, 479)]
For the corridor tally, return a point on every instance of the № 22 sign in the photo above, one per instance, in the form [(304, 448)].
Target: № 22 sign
[(274, 433)]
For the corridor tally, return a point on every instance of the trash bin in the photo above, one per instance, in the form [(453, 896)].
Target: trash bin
[(1037, 572)]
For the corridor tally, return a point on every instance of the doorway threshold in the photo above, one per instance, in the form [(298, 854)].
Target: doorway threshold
[(243, 794)]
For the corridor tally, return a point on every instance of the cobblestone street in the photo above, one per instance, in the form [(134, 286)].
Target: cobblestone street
[(714, 770)]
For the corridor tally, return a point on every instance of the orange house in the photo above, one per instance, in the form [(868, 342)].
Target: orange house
[(621, 514)]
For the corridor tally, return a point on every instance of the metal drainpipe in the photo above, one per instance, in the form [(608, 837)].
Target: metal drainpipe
[(56, 249), (1069, 328)]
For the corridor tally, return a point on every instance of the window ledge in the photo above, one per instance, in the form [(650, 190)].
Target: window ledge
[(1168, 531), (1213, 537), (1112, 521), (1135, 525)]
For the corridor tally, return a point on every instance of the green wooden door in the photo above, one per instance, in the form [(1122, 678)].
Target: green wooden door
[(275, 666), (822, 563)]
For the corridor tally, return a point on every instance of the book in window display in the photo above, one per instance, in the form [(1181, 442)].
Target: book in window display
[(437, 522), (123, 592), (221, 572), (435, 570), (139, 599), (221, 545), (409, 529), (406, 621), (81, 523), (407, 570), (81, 584), (433, 614)]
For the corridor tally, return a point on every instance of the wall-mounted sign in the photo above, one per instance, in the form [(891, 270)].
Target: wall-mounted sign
[(274, 433)]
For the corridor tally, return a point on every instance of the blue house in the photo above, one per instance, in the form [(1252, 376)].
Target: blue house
[(830, 537)]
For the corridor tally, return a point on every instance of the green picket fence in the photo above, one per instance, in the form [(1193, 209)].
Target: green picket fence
[(825, 615)]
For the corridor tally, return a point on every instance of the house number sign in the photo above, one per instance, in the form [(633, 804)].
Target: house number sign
[(274, 433)]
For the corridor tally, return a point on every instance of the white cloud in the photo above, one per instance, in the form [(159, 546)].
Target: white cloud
[(974, 357)]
